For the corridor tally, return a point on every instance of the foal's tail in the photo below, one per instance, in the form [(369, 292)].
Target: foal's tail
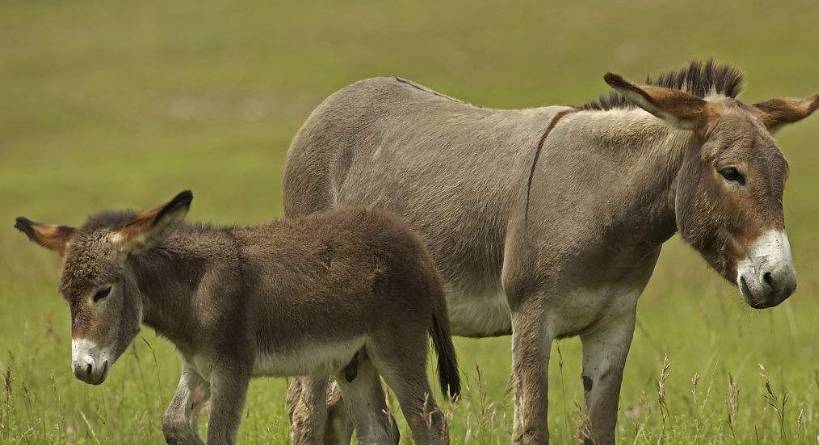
[(447, 361)]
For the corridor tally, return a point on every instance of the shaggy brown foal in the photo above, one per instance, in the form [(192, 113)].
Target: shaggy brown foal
[(350, 293)]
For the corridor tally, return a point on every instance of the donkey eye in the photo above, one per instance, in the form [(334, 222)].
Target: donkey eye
[(733, 175), (102, 293)]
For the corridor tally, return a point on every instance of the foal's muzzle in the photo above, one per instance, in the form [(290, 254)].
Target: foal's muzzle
[(767, 276), (89, 362)]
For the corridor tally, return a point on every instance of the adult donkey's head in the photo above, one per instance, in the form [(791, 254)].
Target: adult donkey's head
[(106, 308), (728, 192)]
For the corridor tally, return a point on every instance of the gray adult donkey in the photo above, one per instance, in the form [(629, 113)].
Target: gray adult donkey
[(547, 222), (349, 293)]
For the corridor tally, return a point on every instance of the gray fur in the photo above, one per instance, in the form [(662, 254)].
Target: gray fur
[(610, 187)]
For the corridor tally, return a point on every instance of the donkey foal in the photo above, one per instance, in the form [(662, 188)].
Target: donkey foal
[(348, 293)]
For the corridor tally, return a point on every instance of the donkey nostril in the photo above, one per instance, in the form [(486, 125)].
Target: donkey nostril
[(768, 279), (88, 370)]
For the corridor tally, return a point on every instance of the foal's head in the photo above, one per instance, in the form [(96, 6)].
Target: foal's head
[(728, 193), (106, 310)]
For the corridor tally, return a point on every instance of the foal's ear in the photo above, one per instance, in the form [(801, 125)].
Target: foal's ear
[(50, 236), (680, 109), (151, 226), (777, 112)]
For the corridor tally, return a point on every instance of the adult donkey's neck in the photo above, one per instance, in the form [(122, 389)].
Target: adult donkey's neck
[(167, 276), (619, 169)]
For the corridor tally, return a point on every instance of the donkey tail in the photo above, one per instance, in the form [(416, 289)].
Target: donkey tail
[(448, 375)]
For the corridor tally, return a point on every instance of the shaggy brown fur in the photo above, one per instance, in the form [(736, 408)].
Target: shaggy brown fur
[(350, 293)]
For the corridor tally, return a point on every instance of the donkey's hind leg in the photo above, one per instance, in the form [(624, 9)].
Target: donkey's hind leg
[(307, 407), (402, 364), (179, 421), (338, 427), (366, 404)]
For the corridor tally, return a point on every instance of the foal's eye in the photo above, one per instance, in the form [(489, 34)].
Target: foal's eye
[(102, 293), (733, 175)]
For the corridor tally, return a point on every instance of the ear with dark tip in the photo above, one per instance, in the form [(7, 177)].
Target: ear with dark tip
[(680, 109), (50, 236), (152, 226), (778, 112)]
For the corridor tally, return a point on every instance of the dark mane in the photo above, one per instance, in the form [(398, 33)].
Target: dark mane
[(113, 220), (699, 79), (117, 219)]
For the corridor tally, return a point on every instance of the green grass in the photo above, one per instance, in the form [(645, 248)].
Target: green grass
[(110, 106)]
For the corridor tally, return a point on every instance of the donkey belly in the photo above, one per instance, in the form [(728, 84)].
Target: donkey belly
[(588, 300), (482, 313), (572, 312), (324, 358), (318, 358), (568, 313)]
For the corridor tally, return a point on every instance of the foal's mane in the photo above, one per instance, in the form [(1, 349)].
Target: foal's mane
[(109, 219), (700, 79), (117, 219)]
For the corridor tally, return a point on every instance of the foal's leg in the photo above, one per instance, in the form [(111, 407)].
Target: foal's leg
[(530, 364), (178, 425), (228, 390), (317, 413), (604, 355), (403, 366), (339, 427), (366, 405), (199, 400)]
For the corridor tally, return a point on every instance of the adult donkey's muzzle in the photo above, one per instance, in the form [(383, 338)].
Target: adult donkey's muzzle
[(89, 362), (766, 277)]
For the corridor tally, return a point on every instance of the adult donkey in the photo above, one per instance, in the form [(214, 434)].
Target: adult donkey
[(547, 222)]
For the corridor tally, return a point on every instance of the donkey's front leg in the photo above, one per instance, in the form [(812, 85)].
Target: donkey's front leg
[(178, 424), (228, 390), (530, 363), (604, 356)]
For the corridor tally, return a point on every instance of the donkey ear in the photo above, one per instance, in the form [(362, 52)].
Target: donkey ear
[(680, 109), (777, 112), (52, 237), (151, 226)]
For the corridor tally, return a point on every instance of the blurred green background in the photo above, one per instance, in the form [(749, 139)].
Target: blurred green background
[(123, 104)]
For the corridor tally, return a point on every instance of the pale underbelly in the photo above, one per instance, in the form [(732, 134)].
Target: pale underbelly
[(319, 359), (478, 314), (487, 314), (579, 310)]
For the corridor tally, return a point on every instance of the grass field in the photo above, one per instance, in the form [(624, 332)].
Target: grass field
[(108, 105)]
